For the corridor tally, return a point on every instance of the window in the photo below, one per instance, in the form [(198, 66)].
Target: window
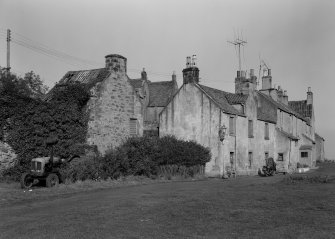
[(280, 157), (250, 129), (250, 159), (266, 131), (133, 127), (231, 126), (266, 155), (231, 159), (304, 154)]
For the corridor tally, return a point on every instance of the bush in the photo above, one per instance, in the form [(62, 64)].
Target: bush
[(13, 173), (169, 171), (307, 179), (83, 169), (144, 156)]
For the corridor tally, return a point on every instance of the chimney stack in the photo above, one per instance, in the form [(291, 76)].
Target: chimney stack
[(174, 77), (244, 85), (309, 96), (285, 98), (116, 63), (280, 94), (267, 81), (191, 72), (144, 75)]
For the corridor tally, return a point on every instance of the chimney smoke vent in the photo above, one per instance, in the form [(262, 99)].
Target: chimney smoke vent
[(194, 61)]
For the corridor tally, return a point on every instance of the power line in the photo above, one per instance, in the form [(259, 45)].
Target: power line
[(43, 49)]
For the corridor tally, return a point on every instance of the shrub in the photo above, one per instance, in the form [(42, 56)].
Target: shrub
[(179, 152), (146, 156), (13, 173), (83, 169), (293, 179), (169, 171)]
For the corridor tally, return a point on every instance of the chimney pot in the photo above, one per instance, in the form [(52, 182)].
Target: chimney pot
[(174, 77), (194, 60), (269, 72)]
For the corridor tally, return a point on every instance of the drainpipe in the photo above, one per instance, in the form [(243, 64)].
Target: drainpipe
[(289, 155), (235, 147)]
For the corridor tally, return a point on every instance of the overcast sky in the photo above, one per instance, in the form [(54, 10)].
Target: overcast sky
[(295, 39)]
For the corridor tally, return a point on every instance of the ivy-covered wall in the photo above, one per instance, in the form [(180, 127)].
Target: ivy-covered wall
[(26, 123)]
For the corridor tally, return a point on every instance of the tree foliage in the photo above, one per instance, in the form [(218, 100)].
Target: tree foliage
[(26, 121), (31, 85)]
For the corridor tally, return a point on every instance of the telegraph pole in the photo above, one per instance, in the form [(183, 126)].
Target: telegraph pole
[(8, 49), (238, 42)]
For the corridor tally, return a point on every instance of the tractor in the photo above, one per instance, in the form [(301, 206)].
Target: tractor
[(45, 169), (269, 169)]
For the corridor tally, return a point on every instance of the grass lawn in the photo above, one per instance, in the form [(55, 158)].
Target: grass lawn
[(245, 207)]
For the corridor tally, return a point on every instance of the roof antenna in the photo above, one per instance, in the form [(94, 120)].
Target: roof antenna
[(238, 42)]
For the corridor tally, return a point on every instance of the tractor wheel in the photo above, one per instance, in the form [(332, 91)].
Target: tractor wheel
[(26, 180), (52, 180)]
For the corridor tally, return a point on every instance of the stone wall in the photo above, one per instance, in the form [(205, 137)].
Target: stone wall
[(7, 156), (110, 111)]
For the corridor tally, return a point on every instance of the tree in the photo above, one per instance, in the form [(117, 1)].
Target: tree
[(30, 85)]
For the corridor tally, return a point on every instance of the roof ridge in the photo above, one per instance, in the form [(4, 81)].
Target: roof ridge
[(154, 82), (297, 101), (89, 70)]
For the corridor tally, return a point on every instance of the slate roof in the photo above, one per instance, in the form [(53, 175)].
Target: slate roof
[(220, 97), (291, 136), (137, 83), (306, 147), (160, 93), (87, 77), (265, 116), (277, 105), (301, 107), (235, 98)]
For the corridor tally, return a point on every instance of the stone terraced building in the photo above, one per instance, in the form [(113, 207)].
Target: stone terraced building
[(259, 124), (120, 107)]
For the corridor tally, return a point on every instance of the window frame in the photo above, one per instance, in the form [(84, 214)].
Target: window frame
[(136, 124), (232, 125), (280, 155), (250, 128), (305, 153), (232, 158), (250, 159)]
